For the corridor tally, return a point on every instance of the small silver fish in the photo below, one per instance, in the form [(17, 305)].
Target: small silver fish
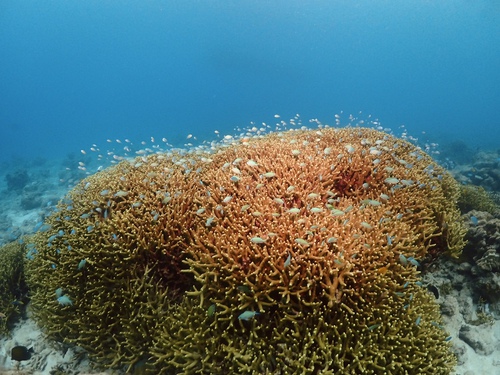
[(82, 264), (248, 315), (413, 261), (302, 242), (403, 260), (391, 181), (64, 301), (288, 260), (258, 240), (269, 174)]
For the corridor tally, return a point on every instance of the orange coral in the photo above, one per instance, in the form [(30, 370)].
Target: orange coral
[(317, 230), (342, 204)]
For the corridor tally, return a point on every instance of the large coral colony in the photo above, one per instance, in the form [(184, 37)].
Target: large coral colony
[(294, 252)]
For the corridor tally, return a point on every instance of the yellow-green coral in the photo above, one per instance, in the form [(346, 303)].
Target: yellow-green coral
[(319, 231), (366, 338), (114, 250), (12, 284), (476, 198)]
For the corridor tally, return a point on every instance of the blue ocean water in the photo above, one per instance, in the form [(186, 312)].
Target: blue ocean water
[(74, 73)]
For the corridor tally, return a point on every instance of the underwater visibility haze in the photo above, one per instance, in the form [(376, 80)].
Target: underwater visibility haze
[(75, 73)]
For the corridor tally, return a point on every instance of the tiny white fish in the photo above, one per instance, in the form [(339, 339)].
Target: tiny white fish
[(258, 240), (248, 315), (209, 221), (302, 242), (64, 301), (350, 148), (391, 181), (288, 260), (371, 202), (82, 264), (121, 193), (252, 163), (403, 260), (413, 261), (269, 175), (336, 212), (294, 210), (227, 199), (316, 210), (407, 182), (200, 211), (245, 207)]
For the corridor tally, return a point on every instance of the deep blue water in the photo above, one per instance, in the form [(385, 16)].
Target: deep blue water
[(73, 73)]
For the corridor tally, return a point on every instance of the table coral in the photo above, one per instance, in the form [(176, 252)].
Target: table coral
[(319, 231)]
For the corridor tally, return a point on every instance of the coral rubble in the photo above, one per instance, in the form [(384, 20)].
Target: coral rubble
[(296, 252)]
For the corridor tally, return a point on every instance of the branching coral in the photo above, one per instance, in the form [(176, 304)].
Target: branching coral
[(318, 231), (113, 232), (476, 198), (12, 284)]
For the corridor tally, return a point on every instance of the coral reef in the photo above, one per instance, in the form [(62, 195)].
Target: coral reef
[(102, 264), (476, 198), (291, 252), (484, 170), (12, 284), (482, 253)]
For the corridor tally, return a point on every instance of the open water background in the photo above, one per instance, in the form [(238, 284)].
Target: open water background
[(74, 73)]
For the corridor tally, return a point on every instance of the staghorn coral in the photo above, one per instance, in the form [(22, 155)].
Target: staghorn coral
[(476, 198), (319, 231), (12, 283), (482, 252), (113, 251), (334, 212), (318, 340)]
